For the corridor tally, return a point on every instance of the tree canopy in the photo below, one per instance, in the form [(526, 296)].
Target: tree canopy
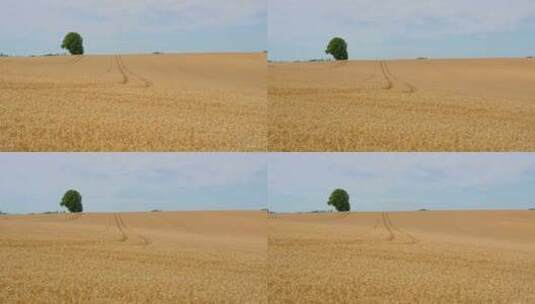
[(338, 48), (72, 200), (339, 199), (74, 43)]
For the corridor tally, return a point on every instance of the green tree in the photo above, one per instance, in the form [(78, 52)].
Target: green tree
[(72, 200), (74, 43), (338, 48), (339, 199)]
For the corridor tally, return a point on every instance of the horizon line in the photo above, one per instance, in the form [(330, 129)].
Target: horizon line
[(6, 55), (404, 210), (423, 58), (156, 210)]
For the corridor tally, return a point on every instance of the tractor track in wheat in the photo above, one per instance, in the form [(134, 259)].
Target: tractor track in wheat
[(121, 103), (442, 105), (193, 257), (125, 70), (77, 59), (124, 236), (395, 233), (387, 227), (121, 70), (389, 81), (393, 81), (461, 257), (128, 234)]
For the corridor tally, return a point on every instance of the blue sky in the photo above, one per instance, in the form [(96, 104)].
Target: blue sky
[(301, 29), (134, 26), (35, 182), (402, 181)]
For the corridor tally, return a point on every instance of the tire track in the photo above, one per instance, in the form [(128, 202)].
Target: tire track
[(388, 227), (390, 84), (392, 80), (78, 59), (121, 70), (124, 236), (125, 70), (411, 88), (126, 231), (393, 230)]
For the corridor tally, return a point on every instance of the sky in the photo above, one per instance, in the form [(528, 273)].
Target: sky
[(402, 181), (379, 29), (283, 182), (134, 26), (35, 182)]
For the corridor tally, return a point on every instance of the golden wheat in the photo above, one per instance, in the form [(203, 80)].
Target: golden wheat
[(165, 257), (402, 257), (201, 102), (403, 105)]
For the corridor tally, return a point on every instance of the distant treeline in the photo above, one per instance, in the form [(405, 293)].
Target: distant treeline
[(47, 212), (54, 54), (49, 55), (297, 61), (44, 55), (300, 212)]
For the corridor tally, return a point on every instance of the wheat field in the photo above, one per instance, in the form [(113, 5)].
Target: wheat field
[(187, 102), (160, 257), (402, 257), (402, 105)]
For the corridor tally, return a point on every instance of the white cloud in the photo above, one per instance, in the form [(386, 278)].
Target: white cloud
[(120, 16), (107, 180), (174, 14), (184, 170), (393, 177), (430, 17)]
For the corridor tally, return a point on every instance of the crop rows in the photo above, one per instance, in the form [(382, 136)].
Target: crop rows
[(249, 257), (134, 103), (432, 105)]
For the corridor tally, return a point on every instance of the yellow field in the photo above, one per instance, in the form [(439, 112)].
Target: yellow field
[(405, 257), (403, 105), (197, 102), (166, 257)]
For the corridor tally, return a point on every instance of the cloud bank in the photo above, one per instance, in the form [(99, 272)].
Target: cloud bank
[(403, 181), (110, 25), (296, 26), (125, 182)]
